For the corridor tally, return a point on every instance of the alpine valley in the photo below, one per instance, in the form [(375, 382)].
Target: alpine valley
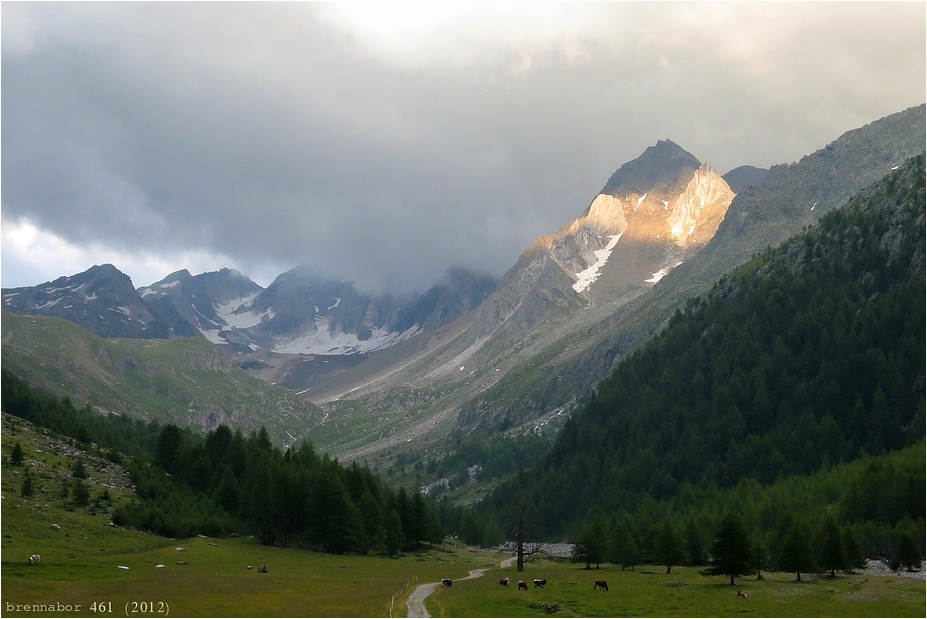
[(391, 379)]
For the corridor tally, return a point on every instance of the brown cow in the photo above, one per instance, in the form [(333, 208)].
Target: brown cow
[(33, 559), (741, 594), (522, 585), (600, 584), (540, 582), (447, 582), (504, 582)]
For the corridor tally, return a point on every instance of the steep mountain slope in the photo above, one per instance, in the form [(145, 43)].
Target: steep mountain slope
[(807, 354), (103, 301), (300, 313), (652, 214), (183, 381), (201, 299), (489, 369), (793, 196)]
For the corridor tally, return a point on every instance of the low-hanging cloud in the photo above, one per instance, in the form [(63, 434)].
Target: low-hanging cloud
[(276, 134)]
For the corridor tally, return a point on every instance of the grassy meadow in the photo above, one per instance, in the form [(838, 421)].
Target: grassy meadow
[(649, 592)]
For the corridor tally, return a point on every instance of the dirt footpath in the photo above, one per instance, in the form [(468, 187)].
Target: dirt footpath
[(416, 601)]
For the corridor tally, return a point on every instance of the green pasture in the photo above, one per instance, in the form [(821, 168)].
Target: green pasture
[(216, 581), (649, 592)]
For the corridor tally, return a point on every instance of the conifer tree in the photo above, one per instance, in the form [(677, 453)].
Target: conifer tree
[(759, 558), (16, 458), (906, 553), (833, 554), (79, 471), (668, 546), (167, 448), (730, 552), (795, 551), (392, 534), (80, 493), (592, 543), (623, 548), (26, 489)]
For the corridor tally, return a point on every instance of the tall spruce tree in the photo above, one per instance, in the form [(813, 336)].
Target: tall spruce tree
[(832, 555), (795, 551), (668, 549), (730, 552), (623, 547), (592, 543)]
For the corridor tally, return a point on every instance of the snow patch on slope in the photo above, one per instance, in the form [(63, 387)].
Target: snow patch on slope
[(213, 335), (586, 277), (322, 342), (245, 320), (661, 274)]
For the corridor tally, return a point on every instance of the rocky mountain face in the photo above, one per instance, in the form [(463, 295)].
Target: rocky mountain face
[(199, 299), (653, 214), (299, 313), (103, 301), (744, 175)]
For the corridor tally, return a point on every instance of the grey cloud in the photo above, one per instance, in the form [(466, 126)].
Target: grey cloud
[(261, 132)]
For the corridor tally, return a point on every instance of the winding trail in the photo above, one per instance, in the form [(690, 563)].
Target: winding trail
[(416, 600)]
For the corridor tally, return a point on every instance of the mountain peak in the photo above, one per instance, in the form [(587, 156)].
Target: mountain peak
[(182, 274), (665, 167)]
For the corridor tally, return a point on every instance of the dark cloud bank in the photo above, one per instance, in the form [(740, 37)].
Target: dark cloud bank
[(265, 133)]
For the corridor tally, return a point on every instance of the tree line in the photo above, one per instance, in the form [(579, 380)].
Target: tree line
[(230, 482), (227, 482), (832, 520)]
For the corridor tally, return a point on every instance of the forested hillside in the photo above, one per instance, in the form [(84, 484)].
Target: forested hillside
[(229, 482), (809, 355)]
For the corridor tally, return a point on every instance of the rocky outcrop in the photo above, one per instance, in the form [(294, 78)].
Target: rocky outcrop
[(653, 214)]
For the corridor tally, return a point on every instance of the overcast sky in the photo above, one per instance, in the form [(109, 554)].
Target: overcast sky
[(384, 143)]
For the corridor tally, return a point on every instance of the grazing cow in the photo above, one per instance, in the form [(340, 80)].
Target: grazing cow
[(600, 584), (522, 585), (741, 594), (540, 582), (33, 559), (262, 569), (504, 582), (447, 582)]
